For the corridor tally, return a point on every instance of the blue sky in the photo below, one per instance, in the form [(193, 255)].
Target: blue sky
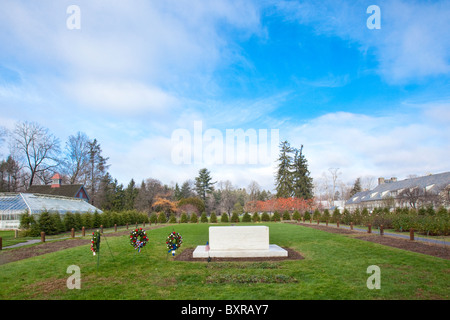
[(370, 102)]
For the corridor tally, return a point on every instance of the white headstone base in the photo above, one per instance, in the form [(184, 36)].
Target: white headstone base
[(273, 251)]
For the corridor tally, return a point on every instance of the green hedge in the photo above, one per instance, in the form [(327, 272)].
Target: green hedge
[(54, 223)]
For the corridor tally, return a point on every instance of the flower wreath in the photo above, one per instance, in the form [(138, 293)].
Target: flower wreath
[(138, 239), (95, 242), (174, 241)]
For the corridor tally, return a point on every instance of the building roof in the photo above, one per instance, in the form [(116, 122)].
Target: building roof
[(17, 203), (68, 190), (432, 183)]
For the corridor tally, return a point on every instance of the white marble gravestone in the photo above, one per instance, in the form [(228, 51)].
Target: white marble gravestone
[(239, 242)]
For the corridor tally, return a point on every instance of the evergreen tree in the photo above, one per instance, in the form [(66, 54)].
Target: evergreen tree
[(283, 179), (203, 184), (185, 191), (184, 218), (203, 217), (356, 187), (302, 185), (177, 192), (131, 193), (46, 223)]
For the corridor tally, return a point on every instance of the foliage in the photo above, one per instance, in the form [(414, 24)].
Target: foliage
[(275, 216), (194, 218), (256, 217), (213, 217), (265, 217), (234, 217), (286, 215), (172, 219), (162, 217), (224, 217), (246, 217), (184, 218), (194, 201), (307, 216), (204, 218), (164, 205), (203, 184)]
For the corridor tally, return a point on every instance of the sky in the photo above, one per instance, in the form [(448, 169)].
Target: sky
[(151, 80)]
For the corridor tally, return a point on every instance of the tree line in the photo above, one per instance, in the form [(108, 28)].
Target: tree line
[(35, 154)]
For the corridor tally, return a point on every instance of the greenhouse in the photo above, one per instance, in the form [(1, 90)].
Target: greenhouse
[(13, 205)]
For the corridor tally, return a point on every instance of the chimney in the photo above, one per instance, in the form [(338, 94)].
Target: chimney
[(56, 181), (380, 181)]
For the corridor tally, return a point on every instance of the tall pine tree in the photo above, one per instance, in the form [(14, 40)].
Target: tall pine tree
[(203, 184), (283, 177), (293, 177), (302, 185)]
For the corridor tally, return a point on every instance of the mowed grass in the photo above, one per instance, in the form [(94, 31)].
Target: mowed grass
[(334, 267)]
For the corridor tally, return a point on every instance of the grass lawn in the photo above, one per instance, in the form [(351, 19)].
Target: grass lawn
[(334, 267)]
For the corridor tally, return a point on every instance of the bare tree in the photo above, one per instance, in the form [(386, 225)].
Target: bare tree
[(254, 190), (76, 158), (334, 179), (37, 148), (148, 192), (228, 196), (368, 183)]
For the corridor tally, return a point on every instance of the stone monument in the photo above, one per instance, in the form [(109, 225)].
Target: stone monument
[(239, 242)]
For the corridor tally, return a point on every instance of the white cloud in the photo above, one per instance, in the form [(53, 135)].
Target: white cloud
[(363, 145), (122, 97)]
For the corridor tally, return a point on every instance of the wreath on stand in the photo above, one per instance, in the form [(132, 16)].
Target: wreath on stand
[(138, 239), (95, 242), (173, 242)]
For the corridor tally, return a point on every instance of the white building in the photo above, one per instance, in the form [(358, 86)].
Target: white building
[(433, 189)]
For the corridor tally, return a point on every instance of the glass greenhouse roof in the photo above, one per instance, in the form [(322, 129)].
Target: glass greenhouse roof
[(12, 203)]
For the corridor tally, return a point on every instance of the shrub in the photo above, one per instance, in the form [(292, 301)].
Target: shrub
[(194, 218), (286, 215), (184, 218), (96, 220), (316, 214), (307, 216), (336, 215), (172, 219), (153, 218), (213, 217), (246, 217), (234, 217), (224, 217), (265, 216), (296, 215), (162, 218), (275, 216), (256, 217), (46, 223), (325, 215), (204, 218), (346, 217)]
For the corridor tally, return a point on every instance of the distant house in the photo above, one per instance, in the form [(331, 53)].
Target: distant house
[(433, 189), (58, 189)]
